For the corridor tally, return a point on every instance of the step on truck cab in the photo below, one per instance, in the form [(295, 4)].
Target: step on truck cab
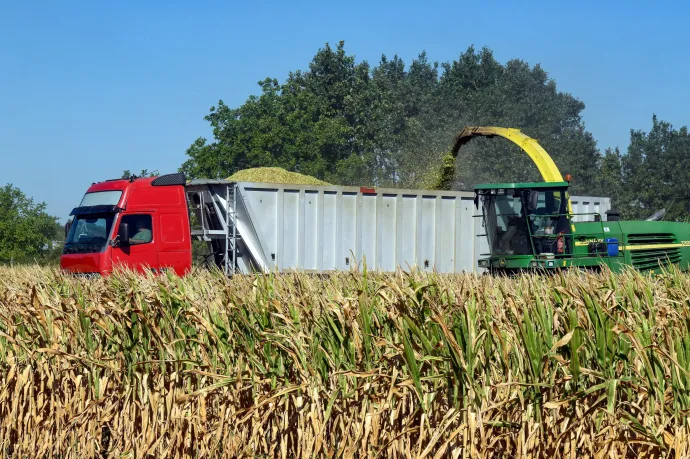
[(141, 223)]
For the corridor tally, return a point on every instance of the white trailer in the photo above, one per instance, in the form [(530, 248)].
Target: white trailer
[(265, 227)]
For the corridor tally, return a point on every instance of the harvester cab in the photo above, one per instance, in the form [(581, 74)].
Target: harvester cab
[(525, 222)]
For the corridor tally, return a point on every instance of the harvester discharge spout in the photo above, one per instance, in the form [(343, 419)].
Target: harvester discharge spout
[(547, 168)]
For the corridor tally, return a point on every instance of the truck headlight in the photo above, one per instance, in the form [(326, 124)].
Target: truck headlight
[(483, 263)]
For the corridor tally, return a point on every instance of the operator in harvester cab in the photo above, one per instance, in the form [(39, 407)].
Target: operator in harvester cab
[(142, 235), (543, 228), (542, 224)]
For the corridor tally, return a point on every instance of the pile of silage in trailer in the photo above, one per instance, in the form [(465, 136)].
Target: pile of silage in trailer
[(274, 175)]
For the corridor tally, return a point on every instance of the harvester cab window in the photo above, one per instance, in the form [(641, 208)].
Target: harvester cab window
[(506, 224), (547, 219), (140, 228), (524, 221)]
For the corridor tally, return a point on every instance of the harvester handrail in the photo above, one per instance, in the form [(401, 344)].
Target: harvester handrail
[(573, 236)]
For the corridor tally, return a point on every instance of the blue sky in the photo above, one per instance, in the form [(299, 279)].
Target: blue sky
[(88, 89)]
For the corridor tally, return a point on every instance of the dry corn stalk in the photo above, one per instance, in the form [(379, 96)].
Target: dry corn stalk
[(400, 365)]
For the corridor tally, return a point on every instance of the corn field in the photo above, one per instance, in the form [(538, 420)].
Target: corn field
[(349, 365)]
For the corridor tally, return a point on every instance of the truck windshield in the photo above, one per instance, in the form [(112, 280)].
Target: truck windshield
[(89, 234)]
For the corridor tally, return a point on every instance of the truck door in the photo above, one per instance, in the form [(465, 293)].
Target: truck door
[(140, 252)]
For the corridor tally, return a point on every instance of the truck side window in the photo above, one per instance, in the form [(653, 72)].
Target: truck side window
[(140, 228)]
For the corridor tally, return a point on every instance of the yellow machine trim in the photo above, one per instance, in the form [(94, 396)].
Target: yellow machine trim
[(652, 246), (641, 247), (547, 168)]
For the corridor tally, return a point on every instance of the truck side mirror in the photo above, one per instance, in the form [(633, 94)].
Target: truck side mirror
[(68, 225), (123, 234)]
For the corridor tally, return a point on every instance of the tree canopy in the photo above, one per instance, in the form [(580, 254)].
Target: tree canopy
[(349, 123), (346, 122), (654, 174), (127, 174), (27, 232)]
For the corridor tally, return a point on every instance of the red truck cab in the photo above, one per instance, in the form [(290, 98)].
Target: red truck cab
[(140, 223)]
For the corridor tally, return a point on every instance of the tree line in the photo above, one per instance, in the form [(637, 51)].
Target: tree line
[(28, 233), (391, 124)]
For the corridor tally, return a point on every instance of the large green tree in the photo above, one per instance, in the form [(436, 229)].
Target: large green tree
[(480, 91), (311, 124), (27, 232), (349, 123), (610, 179), (654, 174)]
